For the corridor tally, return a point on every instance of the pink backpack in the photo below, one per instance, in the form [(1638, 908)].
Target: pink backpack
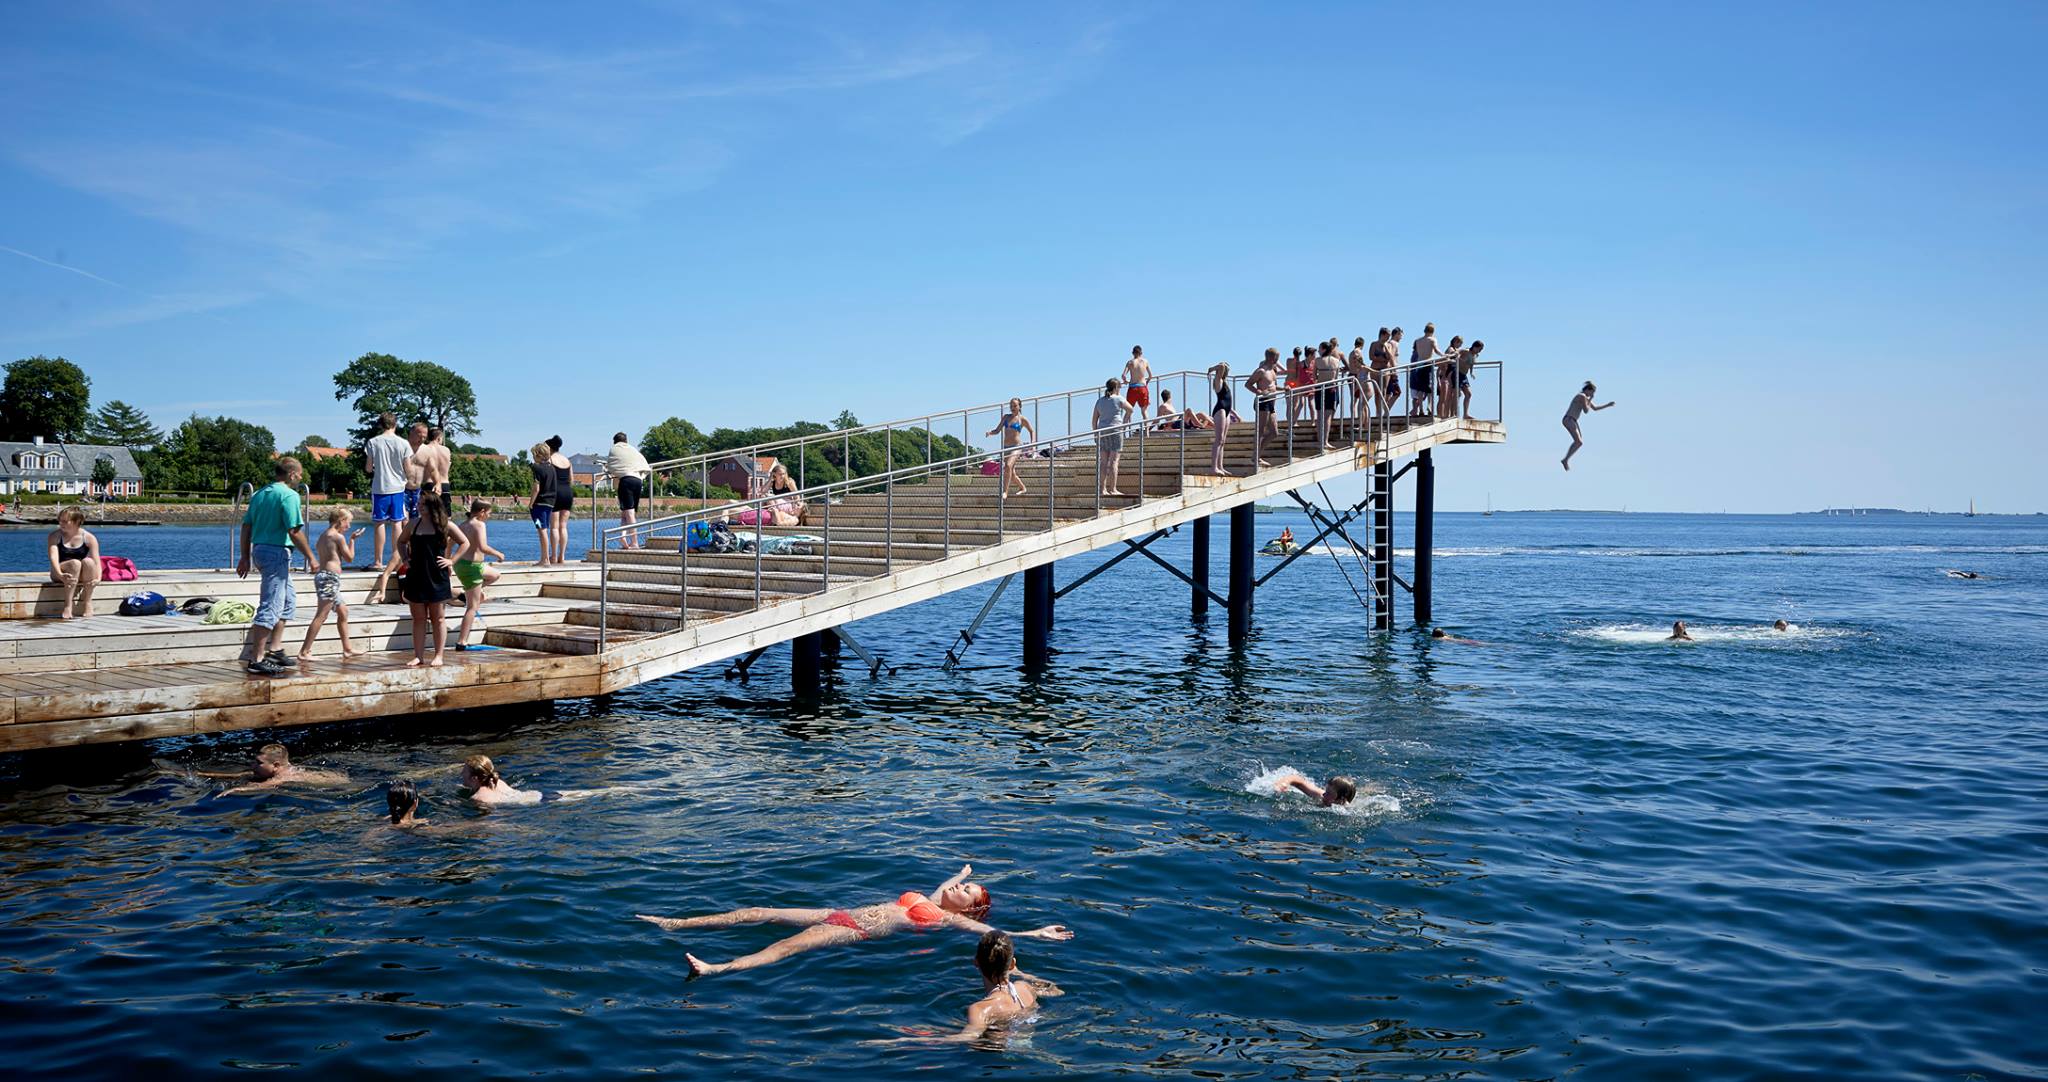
[(118, 569)]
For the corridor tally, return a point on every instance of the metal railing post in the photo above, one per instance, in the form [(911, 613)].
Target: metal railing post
[(683, 546), (604, 608)]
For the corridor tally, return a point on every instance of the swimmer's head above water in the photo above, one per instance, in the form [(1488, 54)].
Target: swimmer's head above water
[(1678, 630), (966, 899), (401, 799), (995, 956), (1339, 790), (1780, 625), (478, 772), (271, 760)]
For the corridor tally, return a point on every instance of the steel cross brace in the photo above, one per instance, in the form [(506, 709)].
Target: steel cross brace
[(738, 669), (875, 665), (1135, 548), (1176, 572), (959, 648), (1316, 513)]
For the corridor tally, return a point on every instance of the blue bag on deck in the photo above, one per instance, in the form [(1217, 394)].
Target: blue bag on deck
[(698, 536), (144, 603)]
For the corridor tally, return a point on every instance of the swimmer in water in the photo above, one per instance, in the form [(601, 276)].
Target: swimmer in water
[(402, 800), (1954, 574), (1440, 635), (480, 776), (1338, 790), (1679, 633), (956, 904), (1780, 625), (1012, 993), (273, 768)]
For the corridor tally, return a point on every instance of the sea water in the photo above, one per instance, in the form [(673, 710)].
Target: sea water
[(1815, 853)]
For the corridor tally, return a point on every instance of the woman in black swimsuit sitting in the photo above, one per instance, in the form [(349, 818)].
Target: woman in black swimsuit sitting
[(74, 562)]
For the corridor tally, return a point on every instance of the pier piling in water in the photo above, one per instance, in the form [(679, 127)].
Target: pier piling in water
[(1242, 553), (1037, 616), (807, 664), (1425, 535), (1199, 568)]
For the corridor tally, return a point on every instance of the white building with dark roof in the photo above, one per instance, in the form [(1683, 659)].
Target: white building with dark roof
[(66, 468)]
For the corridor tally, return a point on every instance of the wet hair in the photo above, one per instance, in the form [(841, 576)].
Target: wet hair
[(1383, 332), (1297, 351), (478, 507), (1137, 350), (1477, 345), (1439, 633), (72, 515), (270, 758), (1397, 332), (995, 956), (1357, 342), (619, 437), (286, 466), (433, 435), (386, 421), (1457, 340), (1588, 388), (1780, 625), (979, 908), (482, 767), (1165, 396), (339, 515), (1429, 328), (1340, 790), (400, 797)]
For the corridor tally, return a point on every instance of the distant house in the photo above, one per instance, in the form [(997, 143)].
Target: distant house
[(585, 469), (322, 454), (745, 475), (66, 468)]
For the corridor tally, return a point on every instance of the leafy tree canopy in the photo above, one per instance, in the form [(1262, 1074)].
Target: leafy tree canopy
[(44, 396), (410, 390), (211, 454), (315, 441), (673, 438), (118, 424)]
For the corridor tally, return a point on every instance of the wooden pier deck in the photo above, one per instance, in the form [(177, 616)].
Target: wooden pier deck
[(611, 622)]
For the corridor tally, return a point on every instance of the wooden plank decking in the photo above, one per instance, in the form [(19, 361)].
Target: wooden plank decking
[(109, 678)]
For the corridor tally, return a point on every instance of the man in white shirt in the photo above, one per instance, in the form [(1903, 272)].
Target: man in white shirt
[(385, 454), (627, 468)]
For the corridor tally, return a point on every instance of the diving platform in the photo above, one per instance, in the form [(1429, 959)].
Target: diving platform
[(832, 552)]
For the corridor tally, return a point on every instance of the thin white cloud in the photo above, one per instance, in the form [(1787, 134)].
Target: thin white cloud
[(62, 266)]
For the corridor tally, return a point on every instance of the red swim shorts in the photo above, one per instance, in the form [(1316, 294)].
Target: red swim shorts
[(1139, 395)]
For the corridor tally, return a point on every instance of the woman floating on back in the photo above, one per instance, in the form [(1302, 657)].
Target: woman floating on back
[(956, 904)]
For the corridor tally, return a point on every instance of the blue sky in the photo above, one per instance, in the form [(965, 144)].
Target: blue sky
[(1801, 245)]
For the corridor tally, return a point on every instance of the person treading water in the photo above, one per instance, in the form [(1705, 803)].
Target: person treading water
[(1780, 625), (480, 776), (1012, 994), (402, 802), (1338, 790), (1679, 633), (956, 903), (1440, 635), (273, 768)]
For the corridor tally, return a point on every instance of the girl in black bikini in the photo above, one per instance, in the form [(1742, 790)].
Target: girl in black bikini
[(74, 562)]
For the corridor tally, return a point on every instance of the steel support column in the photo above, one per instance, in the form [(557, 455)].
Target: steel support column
[(1425, 535), (1383, 547), (806, 665), (1242, 553), (1199, 570), (1037, 616)]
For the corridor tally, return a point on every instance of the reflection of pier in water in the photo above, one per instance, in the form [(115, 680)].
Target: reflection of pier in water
[(812, 561)]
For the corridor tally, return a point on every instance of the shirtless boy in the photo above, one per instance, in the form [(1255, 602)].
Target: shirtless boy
[(433, 461), (471, 571), (273, 768), (1138, 381), (1263, 383), (336, 548)]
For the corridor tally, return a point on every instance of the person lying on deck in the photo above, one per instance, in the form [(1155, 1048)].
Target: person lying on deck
[(273, 768), (956, 903), (1012, 994), (1338, 790)]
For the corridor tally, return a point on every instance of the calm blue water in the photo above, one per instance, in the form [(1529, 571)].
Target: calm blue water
[(1817, 854)]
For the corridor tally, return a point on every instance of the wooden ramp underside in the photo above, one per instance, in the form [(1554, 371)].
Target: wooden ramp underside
[(168, 677)]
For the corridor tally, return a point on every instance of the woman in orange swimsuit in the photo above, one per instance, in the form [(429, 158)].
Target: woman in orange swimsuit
[(956, 904)]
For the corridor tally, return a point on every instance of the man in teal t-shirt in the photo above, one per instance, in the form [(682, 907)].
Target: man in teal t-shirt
[(272, 526)]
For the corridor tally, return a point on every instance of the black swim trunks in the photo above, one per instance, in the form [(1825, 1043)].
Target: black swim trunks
[(630, 489)]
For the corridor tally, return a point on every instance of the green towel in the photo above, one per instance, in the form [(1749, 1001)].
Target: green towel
[(230, 612)]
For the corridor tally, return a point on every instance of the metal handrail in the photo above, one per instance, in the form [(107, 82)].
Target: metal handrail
[(1358, 421), (242, 494)]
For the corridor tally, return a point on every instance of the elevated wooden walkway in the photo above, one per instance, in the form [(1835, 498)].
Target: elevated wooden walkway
[(624, 617)]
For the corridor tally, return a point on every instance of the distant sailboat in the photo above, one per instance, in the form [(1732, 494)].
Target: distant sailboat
[(1489, 503), (1972, 512)]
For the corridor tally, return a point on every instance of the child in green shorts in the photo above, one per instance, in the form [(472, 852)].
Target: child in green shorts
[(474, 574)]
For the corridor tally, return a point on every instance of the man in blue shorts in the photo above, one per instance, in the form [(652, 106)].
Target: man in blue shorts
[(385, 454), (273, 525)]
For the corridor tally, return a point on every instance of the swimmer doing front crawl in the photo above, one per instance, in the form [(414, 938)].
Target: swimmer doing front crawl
[(1338, 790), (956, 903)]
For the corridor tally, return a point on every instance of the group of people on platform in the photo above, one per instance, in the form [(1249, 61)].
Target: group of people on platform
[(1312, 382)]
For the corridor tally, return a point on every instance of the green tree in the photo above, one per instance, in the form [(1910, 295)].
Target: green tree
[(211, 454), (671, 439), (103, 475), (44, 396), (472, 449), (314, 441), (118, 424), (337, 475), (410, 390)]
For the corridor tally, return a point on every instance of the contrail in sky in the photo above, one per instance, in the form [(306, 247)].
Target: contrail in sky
[(62, 267)]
